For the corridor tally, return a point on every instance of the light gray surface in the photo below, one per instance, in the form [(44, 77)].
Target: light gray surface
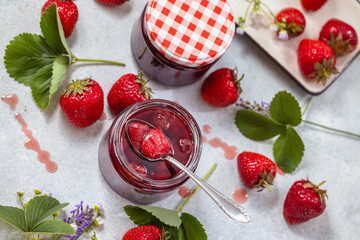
[(104, 32)]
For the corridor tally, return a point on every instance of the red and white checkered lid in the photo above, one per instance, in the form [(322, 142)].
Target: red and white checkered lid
[(190, 32)]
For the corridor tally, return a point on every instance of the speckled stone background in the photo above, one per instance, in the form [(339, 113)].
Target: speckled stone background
[(104, 32)]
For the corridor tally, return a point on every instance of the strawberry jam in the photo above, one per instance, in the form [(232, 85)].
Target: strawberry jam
[(139, 179)]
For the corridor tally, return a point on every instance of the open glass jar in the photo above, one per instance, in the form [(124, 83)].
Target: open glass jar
[(176, 41), (138, 179)]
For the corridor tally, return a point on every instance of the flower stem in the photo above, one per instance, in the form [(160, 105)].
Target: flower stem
[(197, 187), (307, 106), (332, 129), (22, 204), (97, 61)]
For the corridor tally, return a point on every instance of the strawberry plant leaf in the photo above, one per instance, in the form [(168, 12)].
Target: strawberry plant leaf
[(51, 227), (25, 55), (192, 227), (167, 216), (39, 208), (13, 216), (40, 86), (288, 150), (59, 71), (285, 110), (139, 216), (52, 30), (256, 126)]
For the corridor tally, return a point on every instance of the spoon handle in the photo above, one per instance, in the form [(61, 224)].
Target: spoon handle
[(231, 208)]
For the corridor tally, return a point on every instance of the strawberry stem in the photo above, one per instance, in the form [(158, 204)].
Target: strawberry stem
[(332, 129), (197, 187), (267, 185), (97, 61), (307, 106), (320, 184)]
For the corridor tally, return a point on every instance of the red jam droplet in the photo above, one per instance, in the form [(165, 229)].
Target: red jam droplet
[(279, 171), (206, 129), (229, 151), (12, 100), (184, 192), (240, 195), (103, 117)]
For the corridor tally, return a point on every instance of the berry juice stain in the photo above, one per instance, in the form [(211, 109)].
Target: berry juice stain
[(32, 144), (279, 171), (229, 151), (206, 129), (184, 192), (103, 117), (12, 100), (240, 195)]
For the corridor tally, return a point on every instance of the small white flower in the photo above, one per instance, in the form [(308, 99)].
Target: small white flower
[(283, 35), (74, 226), (26, 201), (274, 28), (99, 221), (254, 15), (20, 192), (240, 30)]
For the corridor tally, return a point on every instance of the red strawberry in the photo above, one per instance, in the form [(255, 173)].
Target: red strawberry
[(155, 144), (303, 202), (316, 60), (126, 91), (291, 21), (256, 170), (112, 2), (137, 132), (221, 88), (68, 14), (312, 5), (83, 102), (147, 232), (340, 36)]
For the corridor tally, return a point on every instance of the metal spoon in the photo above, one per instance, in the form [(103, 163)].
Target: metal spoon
[(231, 208)]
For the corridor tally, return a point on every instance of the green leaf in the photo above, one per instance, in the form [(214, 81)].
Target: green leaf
[(59, 71), (138, 215), (53, 32), (51, 227), (288, 150), (40, 86), (193, 228), (40, 208), (285, 110), (25, 55), (256, 126), (50, 29), (13, 216), (167, 216)]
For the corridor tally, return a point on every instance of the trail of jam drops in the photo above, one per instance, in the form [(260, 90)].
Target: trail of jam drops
[(31, 143), (184, 192), (103, 117), (12, 100), (229, 151), (240, 195)]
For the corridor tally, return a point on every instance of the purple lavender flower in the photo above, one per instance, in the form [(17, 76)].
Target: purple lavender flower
[(262, 108), (83, 220)]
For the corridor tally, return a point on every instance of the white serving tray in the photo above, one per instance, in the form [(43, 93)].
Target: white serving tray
[(285, 52)]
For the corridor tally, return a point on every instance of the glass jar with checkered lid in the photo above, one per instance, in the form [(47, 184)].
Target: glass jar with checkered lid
[(176, 41)]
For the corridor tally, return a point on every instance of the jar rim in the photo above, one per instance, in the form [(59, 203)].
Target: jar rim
[(118, 126)]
